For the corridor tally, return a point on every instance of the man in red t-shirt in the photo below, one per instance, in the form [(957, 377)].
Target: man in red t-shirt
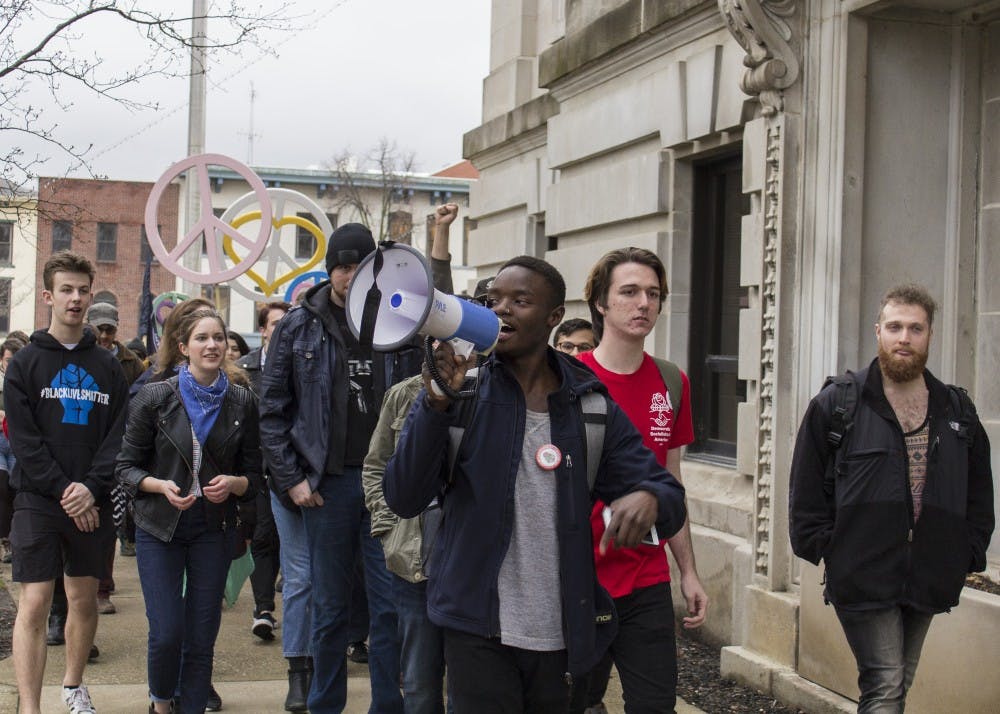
[(625, 291)]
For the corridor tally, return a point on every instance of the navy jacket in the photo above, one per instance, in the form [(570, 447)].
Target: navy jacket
[(478, 505), (303, 391), (861, 524)]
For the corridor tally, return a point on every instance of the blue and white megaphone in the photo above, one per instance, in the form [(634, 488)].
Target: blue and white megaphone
[(392, 299)]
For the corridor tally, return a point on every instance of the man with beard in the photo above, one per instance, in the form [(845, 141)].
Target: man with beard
[(891, 487)]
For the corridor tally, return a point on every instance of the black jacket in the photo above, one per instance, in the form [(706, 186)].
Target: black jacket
[(304, 389), (875, 555), (250, 363), (65, 413), (479, 504), (158, 442)]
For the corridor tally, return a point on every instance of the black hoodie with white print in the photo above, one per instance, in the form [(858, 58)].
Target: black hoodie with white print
[(66, 412)]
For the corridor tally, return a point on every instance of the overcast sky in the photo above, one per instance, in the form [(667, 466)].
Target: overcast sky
[(409, 70)]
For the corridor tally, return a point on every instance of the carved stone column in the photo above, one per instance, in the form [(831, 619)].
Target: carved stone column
[(764, 28)]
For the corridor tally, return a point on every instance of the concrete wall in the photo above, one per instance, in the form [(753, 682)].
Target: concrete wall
[(987, 264)]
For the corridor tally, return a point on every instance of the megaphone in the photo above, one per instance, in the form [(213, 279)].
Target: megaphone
[(394, 287)]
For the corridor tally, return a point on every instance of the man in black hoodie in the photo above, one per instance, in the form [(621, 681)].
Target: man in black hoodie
[(66, 402)]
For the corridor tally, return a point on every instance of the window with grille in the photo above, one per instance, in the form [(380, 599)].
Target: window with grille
[(107, 242), (6, 236), (6, 285), (62, 236)]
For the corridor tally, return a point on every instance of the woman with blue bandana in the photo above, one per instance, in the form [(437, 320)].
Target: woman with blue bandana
[(190, 452)]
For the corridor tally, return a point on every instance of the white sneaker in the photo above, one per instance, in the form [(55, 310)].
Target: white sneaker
[(78, 700)]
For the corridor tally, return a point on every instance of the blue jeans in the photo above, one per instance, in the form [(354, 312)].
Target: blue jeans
[(886, 644), (183, 624), (296, 593), (7, 459), (333, 531), (422, 659)]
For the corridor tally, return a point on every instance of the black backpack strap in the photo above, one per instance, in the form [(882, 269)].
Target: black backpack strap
[(965, 410), (844, 405)]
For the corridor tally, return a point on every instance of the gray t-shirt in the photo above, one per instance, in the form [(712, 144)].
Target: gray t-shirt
[(529, 585)]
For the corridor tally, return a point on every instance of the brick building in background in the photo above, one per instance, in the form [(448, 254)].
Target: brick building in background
[(104, 220)]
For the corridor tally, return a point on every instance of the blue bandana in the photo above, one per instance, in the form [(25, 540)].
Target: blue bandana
[(201, 403)]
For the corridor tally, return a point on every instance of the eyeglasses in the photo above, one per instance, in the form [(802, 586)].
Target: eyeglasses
[(571, 347)]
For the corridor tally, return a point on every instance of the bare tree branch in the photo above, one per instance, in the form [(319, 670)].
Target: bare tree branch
[(377, 188), (37, 55)]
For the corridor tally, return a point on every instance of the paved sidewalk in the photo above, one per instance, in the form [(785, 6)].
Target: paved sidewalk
[(250, 675)]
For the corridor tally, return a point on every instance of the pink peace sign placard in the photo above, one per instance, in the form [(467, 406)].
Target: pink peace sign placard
[(207, 225)]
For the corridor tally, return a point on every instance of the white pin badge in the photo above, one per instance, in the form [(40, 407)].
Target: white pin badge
[(548, 457)]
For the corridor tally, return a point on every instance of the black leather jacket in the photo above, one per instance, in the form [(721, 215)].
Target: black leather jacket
[(158, 442)]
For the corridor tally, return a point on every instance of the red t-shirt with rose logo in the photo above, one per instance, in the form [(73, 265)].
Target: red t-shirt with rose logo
[(643, 397)]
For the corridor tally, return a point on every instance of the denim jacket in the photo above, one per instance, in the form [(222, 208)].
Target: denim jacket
[(303, 394)]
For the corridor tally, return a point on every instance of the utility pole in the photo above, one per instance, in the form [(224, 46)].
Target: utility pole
[(251, 135), (196, 136)]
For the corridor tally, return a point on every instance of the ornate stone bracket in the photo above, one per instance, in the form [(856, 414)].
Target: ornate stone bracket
[(763, 29)]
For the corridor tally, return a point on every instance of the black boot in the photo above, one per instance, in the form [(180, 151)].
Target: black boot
[(299, 681), (56, 634)]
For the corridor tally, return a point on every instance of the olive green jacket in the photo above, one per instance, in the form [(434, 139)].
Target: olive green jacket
[(401, 537)]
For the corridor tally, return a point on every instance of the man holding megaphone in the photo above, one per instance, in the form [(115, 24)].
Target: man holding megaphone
[(514, 585)]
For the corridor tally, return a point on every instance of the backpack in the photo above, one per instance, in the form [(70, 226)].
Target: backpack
[(845, 405), (595, 417)]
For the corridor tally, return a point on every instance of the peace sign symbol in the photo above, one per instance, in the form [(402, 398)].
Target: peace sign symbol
[(207, 224), (288, 208)]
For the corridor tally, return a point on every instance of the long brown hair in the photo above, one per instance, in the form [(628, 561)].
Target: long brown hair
[(185, 326), (168, 355)]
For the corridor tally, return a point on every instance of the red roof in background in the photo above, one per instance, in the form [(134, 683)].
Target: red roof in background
[(463, 169)]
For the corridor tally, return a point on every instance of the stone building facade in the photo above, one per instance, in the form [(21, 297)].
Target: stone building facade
[(788, 160)]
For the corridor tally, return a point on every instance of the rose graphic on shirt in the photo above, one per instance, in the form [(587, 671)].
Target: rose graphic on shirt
[(661, 409), (77, 391)]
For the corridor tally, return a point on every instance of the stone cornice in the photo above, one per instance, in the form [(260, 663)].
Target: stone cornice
[(763, 29), (666, 38), (510, 134), (606, 35)]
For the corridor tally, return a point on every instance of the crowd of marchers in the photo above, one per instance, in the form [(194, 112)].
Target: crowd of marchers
[(501, 519)]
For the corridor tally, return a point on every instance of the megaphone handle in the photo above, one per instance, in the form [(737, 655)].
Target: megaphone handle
[(439, 384)]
